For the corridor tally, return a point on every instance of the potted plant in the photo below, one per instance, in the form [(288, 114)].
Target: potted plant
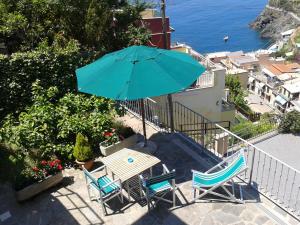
[(117, 139), (43, 176), (83, 152)]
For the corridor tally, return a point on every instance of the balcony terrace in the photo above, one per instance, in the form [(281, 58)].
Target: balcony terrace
[(267, 184), (69, 204)]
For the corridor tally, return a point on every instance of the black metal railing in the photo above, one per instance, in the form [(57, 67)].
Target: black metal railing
[(270, 176)]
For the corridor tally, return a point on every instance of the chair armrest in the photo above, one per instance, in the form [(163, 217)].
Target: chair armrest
[(165, 169), (112, 182), (195, 171), (98, 169)]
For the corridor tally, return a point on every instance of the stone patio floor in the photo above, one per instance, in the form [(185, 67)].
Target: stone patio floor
[(68, 203)]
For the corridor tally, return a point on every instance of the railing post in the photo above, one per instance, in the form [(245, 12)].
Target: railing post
[(171, 112), (203, 131), (252, 166)]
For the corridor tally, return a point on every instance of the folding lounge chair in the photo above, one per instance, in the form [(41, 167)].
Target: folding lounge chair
[(225, 172), (158, 186), (103, 187)]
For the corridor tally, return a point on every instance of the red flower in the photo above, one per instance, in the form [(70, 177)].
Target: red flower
[(57, 161), (59, 167), (35, 169), (52, 163), (108, 134), (43, 162)]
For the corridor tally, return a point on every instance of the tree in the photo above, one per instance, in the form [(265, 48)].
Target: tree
[(97, 24), (236, 93), (290, 123)]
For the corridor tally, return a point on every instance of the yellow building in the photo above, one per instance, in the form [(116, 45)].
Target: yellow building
[(206, 96)]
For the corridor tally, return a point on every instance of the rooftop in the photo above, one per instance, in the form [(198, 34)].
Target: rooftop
[(292, 88), (240, 58)]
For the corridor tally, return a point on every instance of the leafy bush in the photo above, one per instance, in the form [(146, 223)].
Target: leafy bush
[(290, 123), (82, 150), (122, 130), (247, 129), (52, 66), (50, 125)]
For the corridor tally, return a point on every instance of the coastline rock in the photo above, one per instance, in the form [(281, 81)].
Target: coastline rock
[(270, 23)]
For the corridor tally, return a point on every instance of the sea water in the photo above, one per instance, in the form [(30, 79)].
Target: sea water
[(203, 24)]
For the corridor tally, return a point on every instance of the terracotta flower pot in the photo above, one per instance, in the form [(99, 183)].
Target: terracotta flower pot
[(88, 164)]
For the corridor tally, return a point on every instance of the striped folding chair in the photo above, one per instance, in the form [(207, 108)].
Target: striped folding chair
[(155, 188), (103, 187), (225, 172)]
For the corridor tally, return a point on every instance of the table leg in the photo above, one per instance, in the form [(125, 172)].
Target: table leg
[(151, 171), (128, 190), (140, 187)]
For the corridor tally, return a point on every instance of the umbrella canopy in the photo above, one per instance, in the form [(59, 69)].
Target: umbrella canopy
[(138, 72)]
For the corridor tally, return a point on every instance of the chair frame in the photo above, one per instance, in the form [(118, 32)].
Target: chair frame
[(98, 194), (230, 196), (162, 193)]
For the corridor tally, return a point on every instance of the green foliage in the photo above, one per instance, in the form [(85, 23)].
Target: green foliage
[(97, 24), (15, 167), (236, 93), (122, 130), (53, 66), (290, 123), (137, 35), (82, 149), (247, 129), (50, 125), (288, 5)]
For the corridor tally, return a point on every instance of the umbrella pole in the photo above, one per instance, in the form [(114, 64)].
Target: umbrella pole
[(144, 122)]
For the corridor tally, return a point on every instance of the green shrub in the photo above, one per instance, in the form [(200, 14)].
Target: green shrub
[(49, 127), (290, 123), (51, 66), (82, 149), (122, 130)]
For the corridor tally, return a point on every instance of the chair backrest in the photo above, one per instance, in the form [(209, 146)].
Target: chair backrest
[(90, 177), (160, 178), (231, 170)]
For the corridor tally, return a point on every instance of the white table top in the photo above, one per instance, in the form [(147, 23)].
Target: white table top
[(119, 164)]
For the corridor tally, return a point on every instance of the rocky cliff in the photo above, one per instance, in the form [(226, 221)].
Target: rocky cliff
[(273, 20)]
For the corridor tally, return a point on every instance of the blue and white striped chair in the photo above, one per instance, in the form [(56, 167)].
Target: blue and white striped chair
[(158, 186), (209, 181), (103, 187)]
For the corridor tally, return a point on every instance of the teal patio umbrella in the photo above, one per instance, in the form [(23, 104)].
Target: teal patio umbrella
[(138, 72)]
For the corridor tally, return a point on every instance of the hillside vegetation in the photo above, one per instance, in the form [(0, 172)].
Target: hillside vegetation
[(288, 5), (270, 23)]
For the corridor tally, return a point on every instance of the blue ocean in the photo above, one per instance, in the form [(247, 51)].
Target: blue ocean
[(204, 23)]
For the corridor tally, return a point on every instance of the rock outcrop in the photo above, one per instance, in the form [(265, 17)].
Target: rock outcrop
[(271, 22)]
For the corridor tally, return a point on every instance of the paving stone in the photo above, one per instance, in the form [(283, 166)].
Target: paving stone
[(247, 215), (239, 223), (225, 218), (234, 209), (261, 219)]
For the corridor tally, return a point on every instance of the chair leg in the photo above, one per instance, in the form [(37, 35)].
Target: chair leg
[(194, 194), (103, 208), (122, 198), (148, 204), (174, 198)]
